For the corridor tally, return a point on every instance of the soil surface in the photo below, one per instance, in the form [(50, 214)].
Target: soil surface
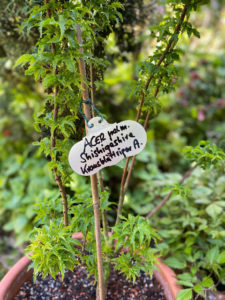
[(76, 285)]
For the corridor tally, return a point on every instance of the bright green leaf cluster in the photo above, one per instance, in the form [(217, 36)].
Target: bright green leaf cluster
[(135, 235), (53, 250), (206, 154)]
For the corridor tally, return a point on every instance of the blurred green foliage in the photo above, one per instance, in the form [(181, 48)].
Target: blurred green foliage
[(192, 226), (24, 181), (22, 171)]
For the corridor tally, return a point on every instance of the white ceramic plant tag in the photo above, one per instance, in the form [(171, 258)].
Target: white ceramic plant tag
[(105, 145)]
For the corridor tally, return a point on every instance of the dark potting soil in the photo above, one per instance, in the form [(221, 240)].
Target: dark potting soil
[(76, 285)]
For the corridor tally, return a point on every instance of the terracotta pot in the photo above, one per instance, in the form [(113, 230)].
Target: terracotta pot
[(15, 278)]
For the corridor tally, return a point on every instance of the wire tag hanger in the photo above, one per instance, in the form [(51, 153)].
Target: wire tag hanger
[(83, 115)]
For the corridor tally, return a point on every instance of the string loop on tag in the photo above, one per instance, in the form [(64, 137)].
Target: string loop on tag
[(83, 115)]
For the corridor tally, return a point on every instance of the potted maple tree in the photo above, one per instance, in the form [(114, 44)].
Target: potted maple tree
[(64, 60)]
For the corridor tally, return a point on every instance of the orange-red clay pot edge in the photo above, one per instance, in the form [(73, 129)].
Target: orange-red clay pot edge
[(18, 274)]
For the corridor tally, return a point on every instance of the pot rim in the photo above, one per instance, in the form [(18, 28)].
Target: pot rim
[(18, 274)]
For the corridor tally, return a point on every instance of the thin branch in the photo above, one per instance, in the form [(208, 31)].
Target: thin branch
[(167, 197), (92, 78), (163, 56), (58, 178), (134, 157), (122, 193), (99, 173), (124, 180), (94, 185), (63, 195)]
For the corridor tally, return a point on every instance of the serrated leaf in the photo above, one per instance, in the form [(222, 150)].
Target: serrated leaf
[(213, 210), (49, 81), (207, 282), (185, 277), (212, 255), (196, 33), (175, 263), (61, 23), (185, 294), (70, 64), (198, 288), (221, 258), (22, 60), (185, 283)]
